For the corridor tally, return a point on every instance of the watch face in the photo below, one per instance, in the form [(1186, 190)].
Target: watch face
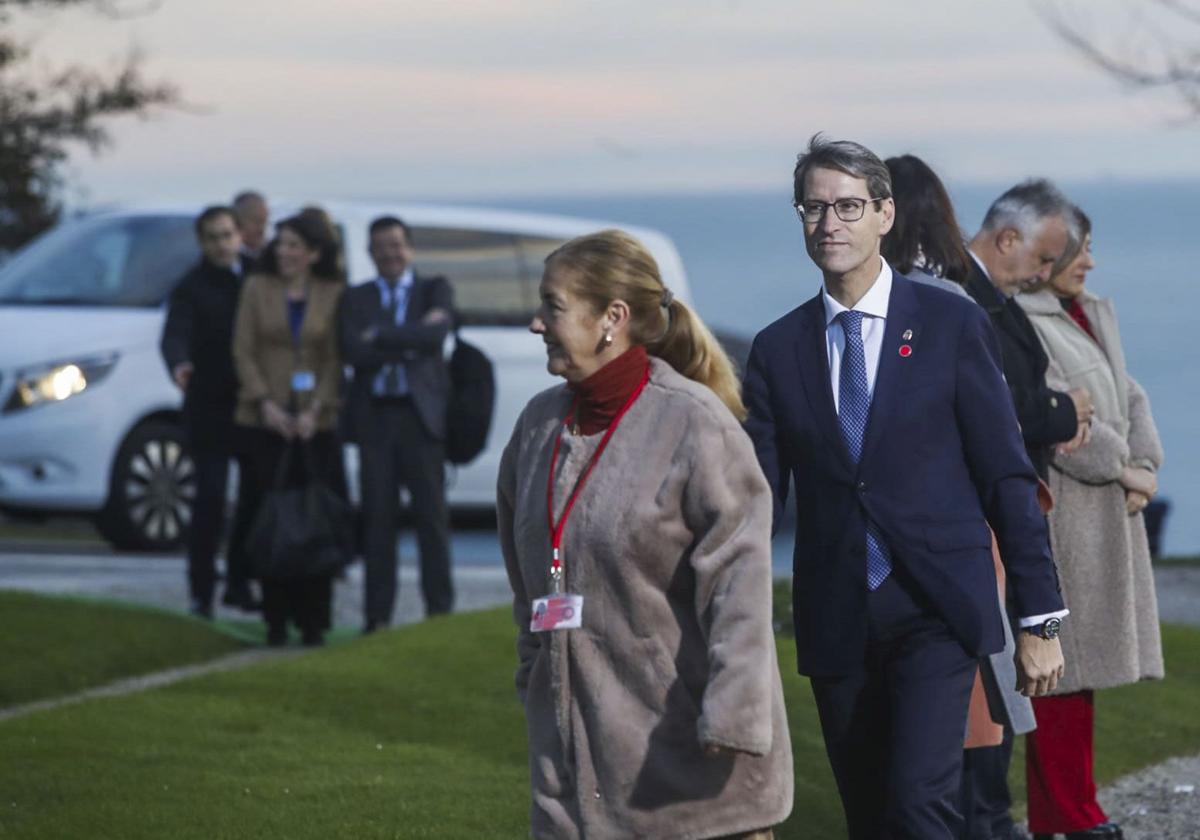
[(1051, 627)]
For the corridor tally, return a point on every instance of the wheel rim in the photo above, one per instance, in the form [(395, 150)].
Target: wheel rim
[(159, 490)]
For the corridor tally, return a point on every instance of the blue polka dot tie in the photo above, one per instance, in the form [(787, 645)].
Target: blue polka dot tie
[(854, 404)]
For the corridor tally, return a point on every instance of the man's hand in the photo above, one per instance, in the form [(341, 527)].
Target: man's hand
[(278, 420), (1084, 408), (1139, 479), (1039, 664), (1082, 435), (182, 374), (437, 315), (1135, 502)]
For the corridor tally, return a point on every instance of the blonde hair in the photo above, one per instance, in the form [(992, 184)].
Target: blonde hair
[(612, 265)]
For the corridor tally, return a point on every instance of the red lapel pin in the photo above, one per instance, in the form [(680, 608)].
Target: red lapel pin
[(905, 350)]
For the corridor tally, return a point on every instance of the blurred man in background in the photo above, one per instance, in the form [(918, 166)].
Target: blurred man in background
[(392, 332), (197, 348), (252, 214)]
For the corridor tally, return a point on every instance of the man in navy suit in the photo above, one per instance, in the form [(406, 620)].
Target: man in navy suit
[(882, 403)]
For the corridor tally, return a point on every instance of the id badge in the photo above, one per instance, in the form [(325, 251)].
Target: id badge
[(303, 381), (557, 612)]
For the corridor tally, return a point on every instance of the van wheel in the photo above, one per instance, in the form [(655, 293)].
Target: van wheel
[(153, 486)]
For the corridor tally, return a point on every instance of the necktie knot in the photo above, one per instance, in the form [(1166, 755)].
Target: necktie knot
[(851, 322)]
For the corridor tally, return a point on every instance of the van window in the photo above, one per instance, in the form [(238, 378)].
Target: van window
[(127, 261), (490, 289)]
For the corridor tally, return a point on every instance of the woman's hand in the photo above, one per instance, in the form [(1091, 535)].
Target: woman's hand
[(1140, 480), (1135, 502), (306, 424), (278, 420)]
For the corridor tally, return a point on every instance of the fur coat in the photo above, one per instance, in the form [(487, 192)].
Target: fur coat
[(1111, 637), (669, 543)]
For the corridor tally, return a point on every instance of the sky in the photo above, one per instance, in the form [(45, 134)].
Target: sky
[(398, 99)]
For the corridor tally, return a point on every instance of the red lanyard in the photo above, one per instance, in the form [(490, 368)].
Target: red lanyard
[(556, 529)]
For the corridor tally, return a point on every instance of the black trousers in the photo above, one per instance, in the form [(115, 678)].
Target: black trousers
[(986, 802), (894, 727), (208, 523), (308, 602), (394, 450)]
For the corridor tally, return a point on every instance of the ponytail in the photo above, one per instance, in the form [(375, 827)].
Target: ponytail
[(689, 346)]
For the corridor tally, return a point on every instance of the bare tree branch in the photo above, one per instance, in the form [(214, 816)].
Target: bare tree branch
[(1173, 63)]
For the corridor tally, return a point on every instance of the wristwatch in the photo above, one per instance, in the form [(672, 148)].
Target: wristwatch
[(1048, 629)]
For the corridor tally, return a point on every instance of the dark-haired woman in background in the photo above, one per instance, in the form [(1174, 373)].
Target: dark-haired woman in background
[(925, 242), (286, 354), (927, 245)]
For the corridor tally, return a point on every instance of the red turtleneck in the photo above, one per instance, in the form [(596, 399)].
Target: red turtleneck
[(1075, 310), (601, 395)]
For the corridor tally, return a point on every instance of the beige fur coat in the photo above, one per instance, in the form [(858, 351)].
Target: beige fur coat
[(669, 544), (1111, 636)]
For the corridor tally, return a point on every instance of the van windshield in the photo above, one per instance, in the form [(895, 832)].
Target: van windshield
[(105, 261)]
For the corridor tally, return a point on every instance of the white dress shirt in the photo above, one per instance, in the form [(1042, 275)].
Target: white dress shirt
[(874, 307), (402, 290)]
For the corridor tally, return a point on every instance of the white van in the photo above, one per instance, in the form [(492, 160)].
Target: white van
[(89, 420)]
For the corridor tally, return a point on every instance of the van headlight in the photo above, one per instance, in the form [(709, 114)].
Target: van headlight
[(57, 382)]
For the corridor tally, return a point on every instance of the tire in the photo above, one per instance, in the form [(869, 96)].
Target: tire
[(150, 496)]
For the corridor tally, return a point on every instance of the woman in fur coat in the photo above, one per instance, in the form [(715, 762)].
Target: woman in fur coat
[(635, 524), (1100, 487)]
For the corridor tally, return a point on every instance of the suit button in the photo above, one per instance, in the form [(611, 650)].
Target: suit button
[(1054, 402), (862, 487)]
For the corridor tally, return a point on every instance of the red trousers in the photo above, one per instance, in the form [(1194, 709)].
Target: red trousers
[(1058, 765)]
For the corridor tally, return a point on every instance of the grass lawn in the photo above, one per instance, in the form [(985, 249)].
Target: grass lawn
[(55, 646), (411, 733)]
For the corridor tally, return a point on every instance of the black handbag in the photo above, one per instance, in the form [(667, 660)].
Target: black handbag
[(472, 402), (300, 530)]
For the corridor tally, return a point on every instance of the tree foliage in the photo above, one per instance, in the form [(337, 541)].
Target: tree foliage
[(43, 115), (1154, 45)]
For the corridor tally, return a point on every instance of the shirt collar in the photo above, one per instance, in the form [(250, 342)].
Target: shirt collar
[(406, 280), (979, 263), (873, 303)]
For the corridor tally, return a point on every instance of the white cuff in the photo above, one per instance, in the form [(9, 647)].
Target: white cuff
[(1035, 620)]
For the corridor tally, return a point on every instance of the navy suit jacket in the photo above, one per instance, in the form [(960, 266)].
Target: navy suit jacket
[(942, 459)]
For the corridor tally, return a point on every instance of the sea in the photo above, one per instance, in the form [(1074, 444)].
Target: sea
[(746, 265)]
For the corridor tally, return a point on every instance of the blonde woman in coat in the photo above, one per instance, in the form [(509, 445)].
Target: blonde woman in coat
[(1100, 485), (654, 707)]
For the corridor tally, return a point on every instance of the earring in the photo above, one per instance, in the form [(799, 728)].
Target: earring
[(607, 338)]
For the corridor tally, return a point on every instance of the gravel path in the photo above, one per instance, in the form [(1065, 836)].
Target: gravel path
[(1158, 803)]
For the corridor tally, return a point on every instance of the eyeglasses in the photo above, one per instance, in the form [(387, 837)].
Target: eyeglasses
[(847, 209)]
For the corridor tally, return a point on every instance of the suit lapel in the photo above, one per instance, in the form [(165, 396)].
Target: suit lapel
[(812, 360), (892, 377)]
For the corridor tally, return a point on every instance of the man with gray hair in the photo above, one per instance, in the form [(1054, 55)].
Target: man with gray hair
[(881, 402), (1023, 235), (252, 214)]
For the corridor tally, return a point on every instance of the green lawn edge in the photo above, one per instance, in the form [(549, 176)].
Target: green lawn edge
[(60, 645), (415, 732)]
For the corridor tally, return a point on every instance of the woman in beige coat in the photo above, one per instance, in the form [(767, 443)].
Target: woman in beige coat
[(1100, 486), (654, 708), (286, 354)]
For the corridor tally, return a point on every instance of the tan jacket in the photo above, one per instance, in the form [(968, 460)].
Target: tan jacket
[(1111, 636), (266, 356), (670, 545)]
